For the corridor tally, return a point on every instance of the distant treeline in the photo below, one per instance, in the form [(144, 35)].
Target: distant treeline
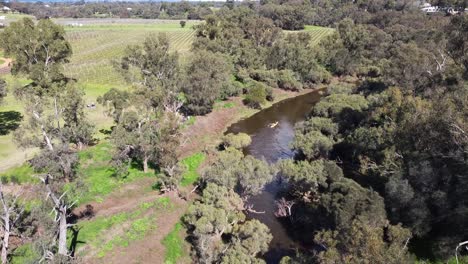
[(289, 15), (147, 10)]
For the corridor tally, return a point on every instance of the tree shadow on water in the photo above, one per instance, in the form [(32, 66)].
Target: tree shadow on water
[(9, 121)]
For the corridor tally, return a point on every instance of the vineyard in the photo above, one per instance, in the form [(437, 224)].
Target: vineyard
[(95, 47), (317, 33)]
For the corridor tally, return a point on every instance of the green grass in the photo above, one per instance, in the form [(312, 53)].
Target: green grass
[(98, 175), (1, 61), (192, 163), (19, 175), (24, 254), (125, 227), (137, 230), (223, 104), (174, 244)]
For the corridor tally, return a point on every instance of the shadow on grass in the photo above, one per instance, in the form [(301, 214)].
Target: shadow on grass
[(9, 121), (74, 240)]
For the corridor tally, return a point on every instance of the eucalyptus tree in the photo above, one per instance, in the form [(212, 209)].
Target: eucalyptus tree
[(54, 108), (208, 77), (245, 175), (148, 117), (219, 229)]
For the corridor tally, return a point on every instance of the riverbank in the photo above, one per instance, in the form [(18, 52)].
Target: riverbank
[(207, 130)]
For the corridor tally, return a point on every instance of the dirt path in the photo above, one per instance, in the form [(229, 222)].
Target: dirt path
[(5, 67)]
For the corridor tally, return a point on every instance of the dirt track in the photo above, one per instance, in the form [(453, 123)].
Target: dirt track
[(5, 67)]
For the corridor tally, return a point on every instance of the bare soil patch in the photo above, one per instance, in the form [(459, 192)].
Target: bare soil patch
[(5, 66)]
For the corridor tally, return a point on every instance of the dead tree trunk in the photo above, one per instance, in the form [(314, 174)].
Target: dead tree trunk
[(6, 227), (61, 209), (9, 210)]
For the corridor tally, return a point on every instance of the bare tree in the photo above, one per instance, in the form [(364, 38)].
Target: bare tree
[(10, 216), (284, 207), (61, 208)]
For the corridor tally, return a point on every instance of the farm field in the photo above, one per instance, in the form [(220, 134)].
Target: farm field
[(95, 46)]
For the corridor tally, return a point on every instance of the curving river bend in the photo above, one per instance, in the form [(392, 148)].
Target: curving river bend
[(272, 144)]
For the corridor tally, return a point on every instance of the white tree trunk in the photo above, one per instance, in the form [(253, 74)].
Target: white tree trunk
[(145, 165), (6, 237), (62, 244)]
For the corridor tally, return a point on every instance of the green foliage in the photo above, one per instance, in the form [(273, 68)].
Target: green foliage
[(191, 163), (154, 63), (246, 175), (295, 53), (313, 144), (457, 40), (256, 95), (3, 89), (115, 101), (219, 213), (39, 50), (237, 141), (208, 76), (369, 244), (283, 79), (334, 104), (174, 244)]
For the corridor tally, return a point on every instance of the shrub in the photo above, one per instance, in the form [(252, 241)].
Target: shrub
[(269, 77), (256, 95), (237, 141), (287, 81)]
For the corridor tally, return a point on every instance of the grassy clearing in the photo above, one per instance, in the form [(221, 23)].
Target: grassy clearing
[(192, 163), (103, 234), (99, 177), (24, 254), (10, 114), (174, 244), (19, 175), (223, 104)]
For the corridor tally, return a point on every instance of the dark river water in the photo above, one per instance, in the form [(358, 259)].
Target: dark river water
[(272, 144)]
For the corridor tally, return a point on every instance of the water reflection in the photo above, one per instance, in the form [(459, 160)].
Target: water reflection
[(272, 144)]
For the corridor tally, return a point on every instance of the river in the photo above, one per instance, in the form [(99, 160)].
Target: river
[(272, 144)]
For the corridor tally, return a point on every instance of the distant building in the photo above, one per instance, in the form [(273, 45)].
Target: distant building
[(129, 9), (2, 18), (6, 9)]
